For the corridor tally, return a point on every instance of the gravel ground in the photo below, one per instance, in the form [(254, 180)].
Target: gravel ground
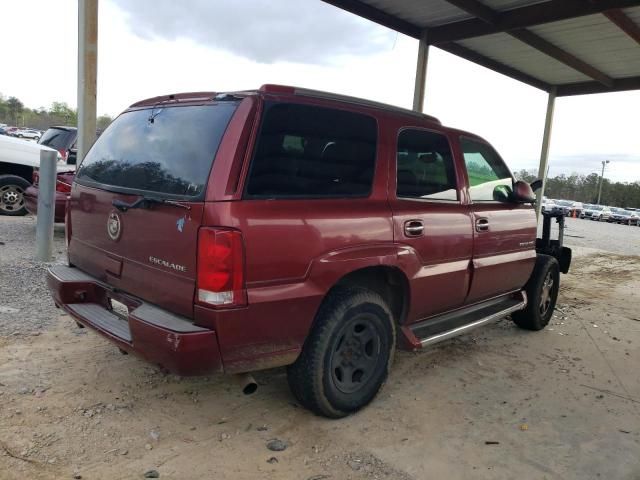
[(25, 305), (499, 403), (608, 237)]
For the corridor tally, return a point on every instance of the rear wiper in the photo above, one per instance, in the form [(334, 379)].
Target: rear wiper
[(146, 202)]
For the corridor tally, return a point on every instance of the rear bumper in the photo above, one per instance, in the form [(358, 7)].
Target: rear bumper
[(156, 335), (31, 203)]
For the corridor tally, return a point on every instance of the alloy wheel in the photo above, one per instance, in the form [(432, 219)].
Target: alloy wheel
[(546, 294), (11, 198)]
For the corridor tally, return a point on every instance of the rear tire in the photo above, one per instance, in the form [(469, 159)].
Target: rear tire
[(12, 201), (347, 356), (542, 294)]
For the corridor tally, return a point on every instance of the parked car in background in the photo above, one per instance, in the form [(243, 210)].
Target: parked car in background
[(564, 206), (597, 212), (547, 204), (10, 131), (61, 138), (18, 160), (576, 209), (310, 243), (63, 189), (28, 133), (3, 130), (626, 217)]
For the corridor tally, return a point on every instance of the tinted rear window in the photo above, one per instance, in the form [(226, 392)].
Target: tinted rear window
[(166, 150), (58, 138), (306, 151)]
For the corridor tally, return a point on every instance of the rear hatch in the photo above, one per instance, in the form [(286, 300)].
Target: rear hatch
[(60, 139), (137, 201)]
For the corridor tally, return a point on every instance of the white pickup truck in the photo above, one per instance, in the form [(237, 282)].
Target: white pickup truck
[(18, 159)]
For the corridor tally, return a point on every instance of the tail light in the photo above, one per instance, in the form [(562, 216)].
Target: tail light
[(62, 187), (64, 154), (221, 268), (35, 177)]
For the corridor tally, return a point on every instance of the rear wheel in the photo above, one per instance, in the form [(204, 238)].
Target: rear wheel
[(542, 294), (347, 355), (12, 190)]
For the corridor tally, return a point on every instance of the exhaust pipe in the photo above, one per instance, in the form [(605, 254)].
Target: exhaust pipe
[(247, 383)]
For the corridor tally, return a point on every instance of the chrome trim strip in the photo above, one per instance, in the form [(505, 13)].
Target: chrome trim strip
[(478, 323)]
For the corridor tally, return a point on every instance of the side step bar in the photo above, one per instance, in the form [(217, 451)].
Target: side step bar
[(451, 325)]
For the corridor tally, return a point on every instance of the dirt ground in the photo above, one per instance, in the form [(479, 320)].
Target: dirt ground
[(500, 403)]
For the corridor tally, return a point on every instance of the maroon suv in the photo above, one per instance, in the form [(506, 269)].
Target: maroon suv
[(234, 232)]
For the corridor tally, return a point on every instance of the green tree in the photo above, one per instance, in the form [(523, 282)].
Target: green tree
[(103, 122), (14, 108)]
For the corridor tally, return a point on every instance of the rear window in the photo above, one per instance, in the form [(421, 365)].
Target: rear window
[(166, 150), (58, 138), (305, 151)]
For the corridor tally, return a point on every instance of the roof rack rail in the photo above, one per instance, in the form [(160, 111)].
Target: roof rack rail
[(270, 88)]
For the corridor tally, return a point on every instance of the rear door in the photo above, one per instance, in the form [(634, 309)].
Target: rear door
[(431, 220), (504, 233), (164, 155)]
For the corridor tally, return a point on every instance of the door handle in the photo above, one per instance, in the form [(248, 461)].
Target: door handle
[(413, 228), (482, 225)]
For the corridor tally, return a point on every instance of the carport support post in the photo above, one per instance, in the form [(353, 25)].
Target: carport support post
[(421, 73), (544, 154), (46, 205), (87, 74)]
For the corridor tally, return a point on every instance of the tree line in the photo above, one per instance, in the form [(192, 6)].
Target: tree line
[(14, 113), (584, 188)]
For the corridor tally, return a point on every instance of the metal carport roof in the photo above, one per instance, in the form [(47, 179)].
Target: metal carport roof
[(564, 47), (576, 46)]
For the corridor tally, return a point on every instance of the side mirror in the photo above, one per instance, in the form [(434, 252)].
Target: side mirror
[(536, 185), (523, 192)]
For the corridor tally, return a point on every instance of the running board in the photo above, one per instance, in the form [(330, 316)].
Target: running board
[(449, 325)]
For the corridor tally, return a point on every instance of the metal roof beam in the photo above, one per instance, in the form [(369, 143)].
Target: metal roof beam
[(624, 23), (494, 65), (522, 17), (586, 88), (378, 16), (490, 16)]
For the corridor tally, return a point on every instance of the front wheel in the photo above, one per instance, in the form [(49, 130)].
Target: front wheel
[(12, 190), (347, 356), (542, 294)]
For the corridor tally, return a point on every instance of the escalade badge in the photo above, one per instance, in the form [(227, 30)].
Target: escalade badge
[(114, 225)]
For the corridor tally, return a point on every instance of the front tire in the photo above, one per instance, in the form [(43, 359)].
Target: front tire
[(12, 201), (542, 294), (347, 356)]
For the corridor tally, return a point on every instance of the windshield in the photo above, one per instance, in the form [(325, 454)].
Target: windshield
[(564, 203), (596, 207), (166, 150)]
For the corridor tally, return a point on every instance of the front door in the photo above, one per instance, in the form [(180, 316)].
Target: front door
[(504, 244), (430, 222)]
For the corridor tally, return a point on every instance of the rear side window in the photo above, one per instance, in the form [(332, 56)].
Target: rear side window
[(425, 166), (485, 170), (309, 152), (166, 150), (58, 138)]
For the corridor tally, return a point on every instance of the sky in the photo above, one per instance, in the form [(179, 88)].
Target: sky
[(155, 47)]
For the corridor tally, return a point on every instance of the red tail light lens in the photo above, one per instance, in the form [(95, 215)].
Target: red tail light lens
[(220, 268), (62, 187), (35, 177), (64, 154)]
